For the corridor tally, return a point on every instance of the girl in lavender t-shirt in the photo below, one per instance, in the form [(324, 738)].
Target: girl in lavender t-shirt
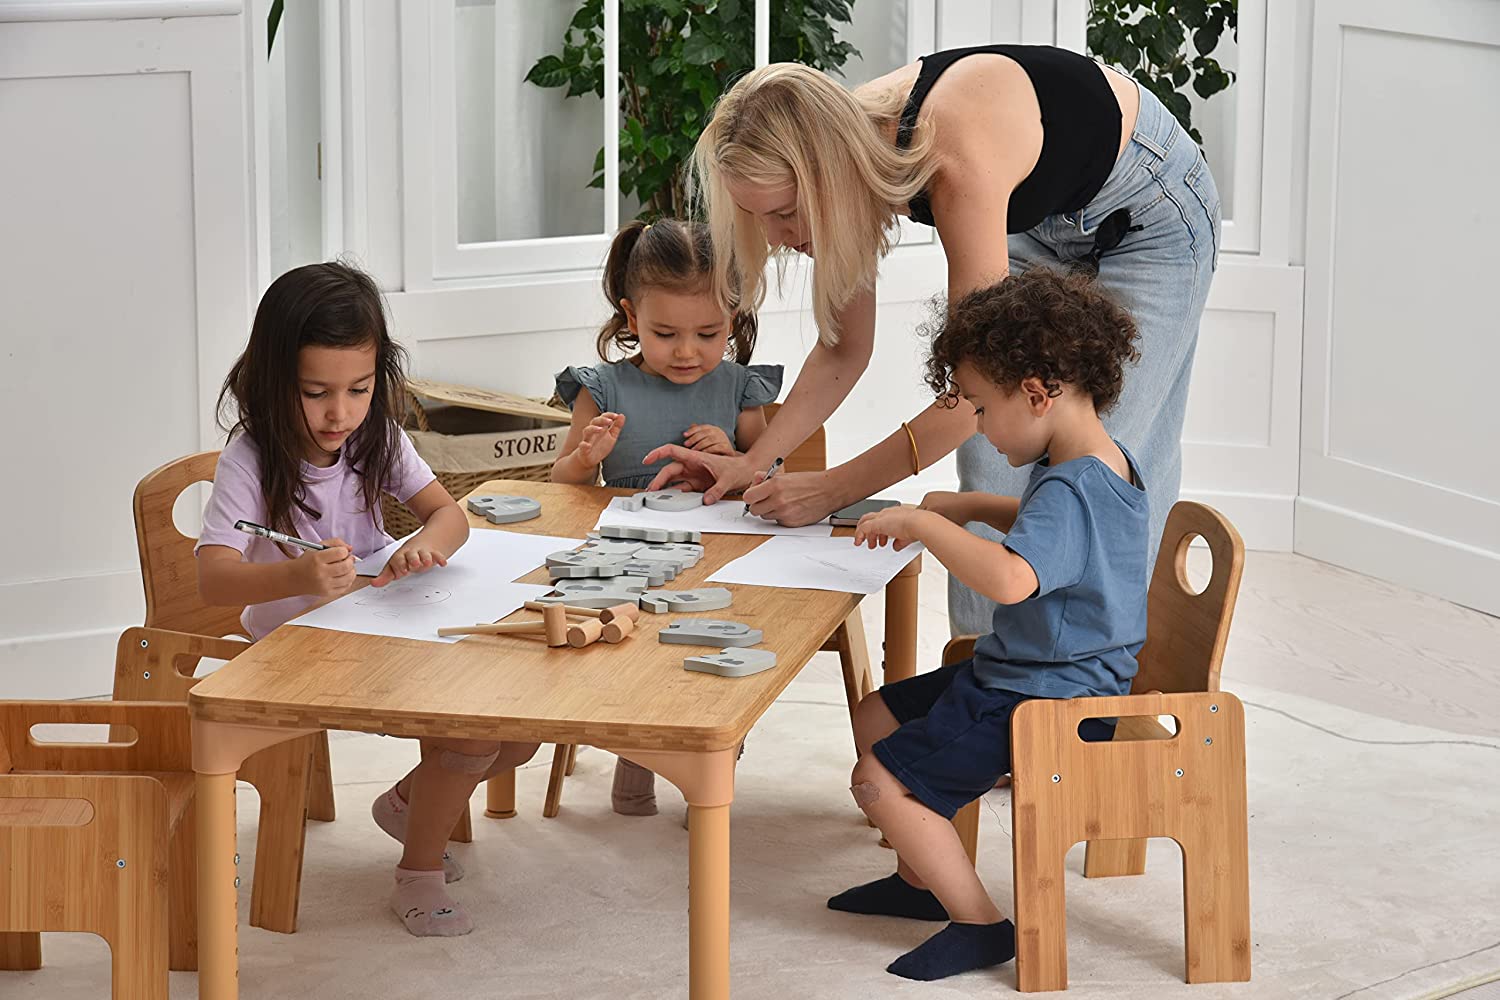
[(313, 445)]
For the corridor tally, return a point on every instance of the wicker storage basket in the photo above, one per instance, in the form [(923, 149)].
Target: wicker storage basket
[(470, 436)]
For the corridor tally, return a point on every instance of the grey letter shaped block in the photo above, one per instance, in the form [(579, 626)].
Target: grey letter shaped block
[(583, 564), (611, 547), (657, 572), (647, 534), (702, 599), (505, 509), (671, 500), (596, 593), (732, 662), (709, 632)]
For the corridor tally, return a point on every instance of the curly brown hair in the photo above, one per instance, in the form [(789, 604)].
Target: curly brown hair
[(1060, 328)]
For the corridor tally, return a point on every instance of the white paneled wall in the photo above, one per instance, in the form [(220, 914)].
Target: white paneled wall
[(124, 285)]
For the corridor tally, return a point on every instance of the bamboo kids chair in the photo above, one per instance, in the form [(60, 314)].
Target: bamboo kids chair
[(848, 640), (293, 779), (1146, 782), (99, 838)]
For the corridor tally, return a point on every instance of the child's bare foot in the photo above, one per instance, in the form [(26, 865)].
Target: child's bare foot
[(634, 791), (425, 907), (390, 812)]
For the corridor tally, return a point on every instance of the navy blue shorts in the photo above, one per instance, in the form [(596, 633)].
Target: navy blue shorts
[(954, 738)]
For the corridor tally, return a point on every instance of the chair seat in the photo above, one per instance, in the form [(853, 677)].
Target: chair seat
[(179, 786)]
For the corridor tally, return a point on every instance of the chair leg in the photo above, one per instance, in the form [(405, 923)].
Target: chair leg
[(966, 822), (572, 759), (500, 795), (138, 949), (320, 804), (555, 781), (281, 775), (1216, 907), (854, 661), (1041, 915), (1111, 858), (182, 893), (463, 830), (20, 951)]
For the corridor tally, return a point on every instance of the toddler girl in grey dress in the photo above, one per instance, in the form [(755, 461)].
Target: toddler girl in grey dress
[(684, 379)]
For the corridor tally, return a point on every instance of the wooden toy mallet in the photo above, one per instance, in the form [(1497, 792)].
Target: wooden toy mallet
[(554, 626)]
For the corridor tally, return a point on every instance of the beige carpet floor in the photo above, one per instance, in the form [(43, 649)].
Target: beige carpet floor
[(1373, 724)]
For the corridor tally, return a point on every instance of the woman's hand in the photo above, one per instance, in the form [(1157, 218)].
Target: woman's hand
[(792, 498), (326, 573), (897, 525), (413, 557), (708, 437), (599, 438), (712, 475)]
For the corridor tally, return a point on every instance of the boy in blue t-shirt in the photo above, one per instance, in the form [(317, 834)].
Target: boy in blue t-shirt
[(1039, 356)]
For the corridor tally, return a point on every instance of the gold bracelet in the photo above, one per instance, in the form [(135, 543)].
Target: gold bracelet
[(916, 462)]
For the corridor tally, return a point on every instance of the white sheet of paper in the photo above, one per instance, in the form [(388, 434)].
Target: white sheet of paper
[(817, 564), (474, 588), (501, 551), (727, 517)]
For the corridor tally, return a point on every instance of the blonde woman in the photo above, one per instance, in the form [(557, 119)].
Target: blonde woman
[(1018, 156)]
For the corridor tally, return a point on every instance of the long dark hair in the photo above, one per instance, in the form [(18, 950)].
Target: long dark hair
[(317, 305), (671, 254)]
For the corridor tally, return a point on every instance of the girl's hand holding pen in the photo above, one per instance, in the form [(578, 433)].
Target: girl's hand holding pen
[(328, 572)]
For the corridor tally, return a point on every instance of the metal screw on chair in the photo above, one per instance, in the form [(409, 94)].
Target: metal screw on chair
[(1179, 772), (144, 643), (1213, 708), (146, 674), (1056, 778), (120, 863), (236, 859), (236, 881)]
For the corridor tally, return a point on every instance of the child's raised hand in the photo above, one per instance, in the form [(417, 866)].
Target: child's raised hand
[(893, 525), (600, 437), (708, 437), (413, 557), (328, 573)]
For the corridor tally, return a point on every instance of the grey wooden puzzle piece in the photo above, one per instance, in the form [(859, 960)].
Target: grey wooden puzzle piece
[(637, 502), (498, 509), (732, 662), (657, 572), (671, 500), (681, 556), (584, 564), (709, 632), (646, 534), (596, 593), (701, 599), (612, 547)]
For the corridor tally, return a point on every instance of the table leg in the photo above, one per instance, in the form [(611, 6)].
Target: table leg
[(500, 795), (707, 782), (218, 751), (708, 902), (901, 623)]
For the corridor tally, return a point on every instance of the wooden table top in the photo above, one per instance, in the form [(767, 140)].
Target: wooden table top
[(635, 695)]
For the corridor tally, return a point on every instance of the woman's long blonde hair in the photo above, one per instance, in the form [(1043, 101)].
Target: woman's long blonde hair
[(786, 124)]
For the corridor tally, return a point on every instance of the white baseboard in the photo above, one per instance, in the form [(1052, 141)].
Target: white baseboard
[(1443, 567), (1264, 520)]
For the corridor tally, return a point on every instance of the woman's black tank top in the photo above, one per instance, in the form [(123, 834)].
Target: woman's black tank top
[(1080, 130)]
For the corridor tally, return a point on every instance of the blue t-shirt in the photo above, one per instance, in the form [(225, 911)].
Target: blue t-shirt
[(1084, 530)]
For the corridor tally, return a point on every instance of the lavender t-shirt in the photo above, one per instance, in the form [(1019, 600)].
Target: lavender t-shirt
[(334, 491)]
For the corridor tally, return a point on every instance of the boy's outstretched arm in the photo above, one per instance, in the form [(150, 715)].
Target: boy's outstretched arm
[(998, 512), (986, 567)]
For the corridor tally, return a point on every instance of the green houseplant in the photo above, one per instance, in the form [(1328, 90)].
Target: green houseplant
[(1147, 39), (676, 57)]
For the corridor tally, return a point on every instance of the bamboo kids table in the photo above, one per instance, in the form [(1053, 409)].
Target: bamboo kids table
[(633, 699)]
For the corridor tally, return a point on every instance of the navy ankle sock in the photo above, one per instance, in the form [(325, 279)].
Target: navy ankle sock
[(957, 948), (891, 896)]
